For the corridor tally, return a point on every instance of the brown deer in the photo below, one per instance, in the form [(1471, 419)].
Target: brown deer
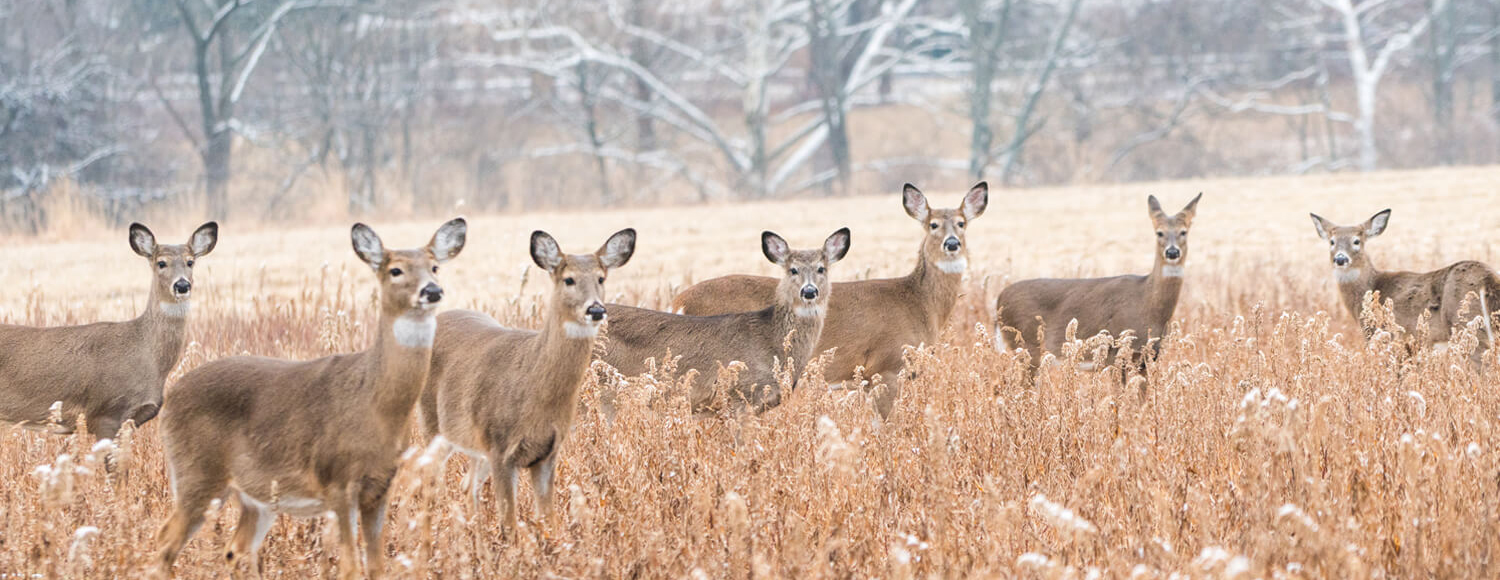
[(755, 339), (505, 397), (1030, 309), (309, 437), (1438, 294), (870, 322), (107, 372)]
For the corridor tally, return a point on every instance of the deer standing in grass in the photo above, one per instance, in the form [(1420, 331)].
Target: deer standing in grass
[(1030, 309), (309, 437), (505, 397), (799, 307), (108, 372), (871, 322), (1438, 294)]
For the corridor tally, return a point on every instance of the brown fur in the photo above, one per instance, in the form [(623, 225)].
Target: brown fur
[(505, 396), (308, 437), (1438, 294), (870, 322), (753, 338), (108, 372), (1140, 304)]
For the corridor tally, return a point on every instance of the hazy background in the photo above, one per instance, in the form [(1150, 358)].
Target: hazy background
[(308, 110)]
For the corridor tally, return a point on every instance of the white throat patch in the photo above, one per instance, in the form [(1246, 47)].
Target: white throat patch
[(580, 330), (1172, 271), (415, 330), (175, 309), (1345, 275), (805, 311), (954, 265)]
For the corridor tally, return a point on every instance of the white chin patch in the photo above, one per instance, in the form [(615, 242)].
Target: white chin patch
[(415, 331), (953, 265), (1346, 275), (580, 330), (175, 309), (813, 311), (1172, 271)]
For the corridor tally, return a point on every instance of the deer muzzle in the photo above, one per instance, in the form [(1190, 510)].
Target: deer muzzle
[(1340, 259), (182, 287), (595, 312), (952, 244), (431, 294)]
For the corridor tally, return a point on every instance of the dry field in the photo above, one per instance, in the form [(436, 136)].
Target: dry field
[(1269, 442)]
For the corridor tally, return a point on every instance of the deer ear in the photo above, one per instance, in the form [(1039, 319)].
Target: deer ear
[(449, 240), (1191, 209), (618, 249), (1322, 225), (976, 200), (1154, 207), (836, 246), (204, 239), (1377, 223), (367, 245), (142, 240), (915, 203), (774, 247), (544, 251)]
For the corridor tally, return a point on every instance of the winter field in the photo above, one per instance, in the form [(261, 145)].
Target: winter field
[(1270, 440)]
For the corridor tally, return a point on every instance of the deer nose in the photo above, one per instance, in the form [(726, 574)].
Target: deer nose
[(1340, 260), (1173, 253), (809, 292), (595, 312), (952, 244), (432, 293), (182, 286)]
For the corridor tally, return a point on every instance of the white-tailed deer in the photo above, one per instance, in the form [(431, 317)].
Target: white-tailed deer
[(1438, 294), (108, 372), (798, 308), (309, 437), (1028, 309), (505, 397), (871, 322)]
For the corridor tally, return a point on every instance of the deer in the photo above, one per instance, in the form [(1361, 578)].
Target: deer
[(305, 438), (871, 322), (109, 373), (506, 397), (1439, 295), (756, 339), (1031, 314)]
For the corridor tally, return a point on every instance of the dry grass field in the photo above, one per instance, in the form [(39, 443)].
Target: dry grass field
[(1270, 441)]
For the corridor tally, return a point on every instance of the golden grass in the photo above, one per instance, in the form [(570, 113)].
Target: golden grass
[(1270, 440)]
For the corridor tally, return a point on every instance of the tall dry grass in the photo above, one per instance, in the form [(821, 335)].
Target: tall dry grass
[(1269, 441)]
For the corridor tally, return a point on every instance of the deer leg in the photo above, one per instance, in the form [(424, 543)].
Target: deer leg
[(479, 470), (343, 506), (505, 473), (193, 495), (255, 522), (542, 473), (371, 522)]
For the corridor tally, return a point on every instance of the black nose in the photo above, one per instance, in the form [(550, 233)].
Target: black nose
[(952, 244), (809, 292), (182, 286), (432, 293), (1341, 260), (1173, 253), (595, 312)]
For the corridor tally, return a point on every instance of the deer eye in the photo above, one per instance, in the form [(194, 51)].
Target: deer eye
[(1161, 234), (190, 263), (933, 225), (1332, 243), (960, 225), (601, 279), (161, 265), (822, 270), (569, 281), (1356, 243), (396, 272), (794, 271), (434, 269), (1182, 233)]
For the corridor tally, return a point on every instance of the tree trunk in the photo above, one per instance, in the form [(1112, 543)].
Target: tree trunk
[(217, 157), (1364, 124)]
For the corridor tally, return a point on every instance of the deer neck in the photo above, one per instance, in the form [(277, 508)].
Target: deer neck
[(935, 284), (163, 329), (1164, 285), (1354, 281), (562, 351), (399, 363), (804, 323)]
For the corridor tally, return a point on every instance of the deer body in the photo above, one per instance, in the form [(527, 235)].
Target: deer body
[(871, 322), (506, 397), (108, 372), (1438, 295), (752, 338), (308, 437), (1034, 314)]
